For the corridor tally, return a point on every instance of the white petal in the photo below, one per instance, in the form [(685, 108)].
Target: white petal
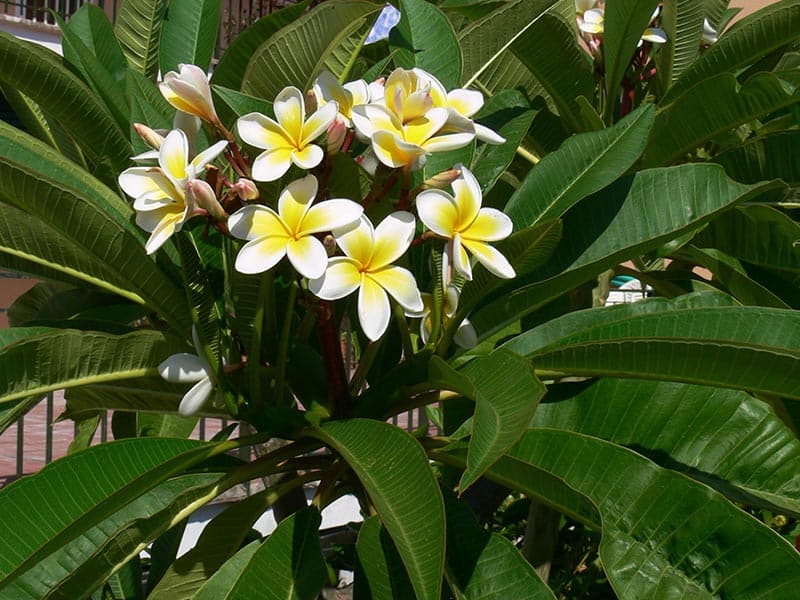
[(332, 214), (467, 195), (260, 255), (491, 258), (357, 241), (450, 141), (295, 201), (169, 224), (374, 310), (490, 225), (308, 256), (290, 111), (654, 35), (460, 259), (262, 132), (145, 182), (256, 221), (392, 238), (393, 151), (487, 135), (183, 368), (317, 123), (196, 398), (173, 155), (271, 165), (359, 90), (206, 156), (438, 211), (401, 285), (340, 279), (466, 336), (309, 157), (465, 102)]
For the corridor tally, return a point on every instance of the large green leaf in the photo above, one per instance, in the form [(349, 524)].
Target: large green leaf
[(395, 472), (278, 62), (74, 358), (102, 549), (56, 192), (91, 25), (682, 21), (724, 438), (757, 234), (664, 535), (506, 395), (288, 565), (741, 347), (379, 572), (482, 565), (768, 157), (46, 512), (746, 42), (625, 21), (12, 411), (138, 28), (33, 72), (585, 164), (715, 106), (631, 216), (188, 34), (425, 38)]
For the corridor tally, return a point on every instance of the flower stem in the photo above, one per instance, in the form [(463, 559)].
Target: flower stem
[(364, 363), (331, 348), (283, 345), (255, 358)]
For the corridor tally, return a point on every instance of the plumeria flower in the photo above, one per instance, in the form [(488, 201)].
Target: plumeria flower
[(290, 231), (397, 144), (188, 91), (327, 88), (187, 123), (465, 336), (289, 139), (709, 33), (406, 96), (461, 105), (367, 267), (159, 193), (592, 21), (191, 368), (467, 227)]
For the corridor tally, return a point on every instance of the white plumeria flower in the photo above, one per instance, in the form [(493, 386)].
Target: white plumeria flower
[(187, 123), (581, 6), (289, 139), (465, 336), (367, 267), (159, 193), (397, 144), (290, 231), (188, 91), (709, 33), (461, 220), (462, 104), (592, 21), (190, 368), (327, 88)]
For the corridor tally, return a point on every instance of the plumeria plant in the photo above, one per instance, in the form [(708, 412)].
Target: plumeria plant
[(388, 266)]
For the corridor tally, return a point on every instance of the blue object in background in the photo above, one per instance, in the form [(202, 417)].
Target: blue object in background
[(388, 18)]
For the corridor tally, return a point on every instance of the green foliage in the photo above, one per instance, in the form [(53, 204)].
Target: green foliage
[(659, 438)]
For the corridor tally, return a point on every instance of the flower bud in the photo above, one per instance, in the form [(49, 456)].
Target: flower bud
[(149, 136), (329, 242), (189, 91), (337, 132), (443, 179), (201, 195), (246, 189)]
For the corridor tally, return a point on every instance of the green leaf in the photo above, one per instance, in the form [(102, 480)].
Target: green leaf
[(742, 347), (85, 428), (74, 358), (33, 72), (50, 511), (138, 28), (749, 40), (715, 106), (188, 34), (664, 535), (425, 38), (757, 234), (242, 104), (682, 21), (507, 394), (11, 412), (482, 565), (288, 565), (91, 25), (231, 67), (510, 115), (724, 438), (768, 157), (625, 21), (583, 165), (395, 472), (632, 216), (379, 572), (277, 62)]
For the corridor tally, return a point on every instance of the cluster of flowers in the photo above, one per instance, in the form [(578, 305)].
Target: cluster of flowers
[(401, 121)]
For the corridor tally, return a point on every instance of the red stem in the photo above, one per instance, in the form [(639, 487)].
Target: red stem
[(331, 346)]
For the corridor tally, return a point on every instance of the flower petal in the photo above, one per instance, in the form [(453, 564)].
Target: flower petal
[(332, 214), (357, 241), (487, 135), (173, 156), (393, 151), (438, 211), (369, 118), (317, 123), (256, 221), (468, 197), (392, 238), (309, 157), (260, 255), (295, 200), (271, 165), (490, 225), (196, 398), (654, 35), (206, 156), (308, 256), (450, 141), (290, 111), (400, 284), (465, 102), (466, 337), (460, 258), (146, 182), (262, 132), (169, 224), (183, 368), (490, 258), (373, 308), (359, 91), (341, 278)]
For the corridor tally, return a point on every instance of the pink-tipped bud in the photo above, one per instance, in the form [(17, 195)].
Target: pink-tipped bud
[(246, 189), (443, 179), (188, 90), (201, 194), (337, 132), (149, 136)]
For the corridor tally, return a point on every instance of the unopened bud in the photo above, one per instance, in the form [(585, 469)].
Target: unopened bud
[(201, 194), (329, 242), (149, 136), (337, 132), (311, 102), (246, 189), (443, 179)]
